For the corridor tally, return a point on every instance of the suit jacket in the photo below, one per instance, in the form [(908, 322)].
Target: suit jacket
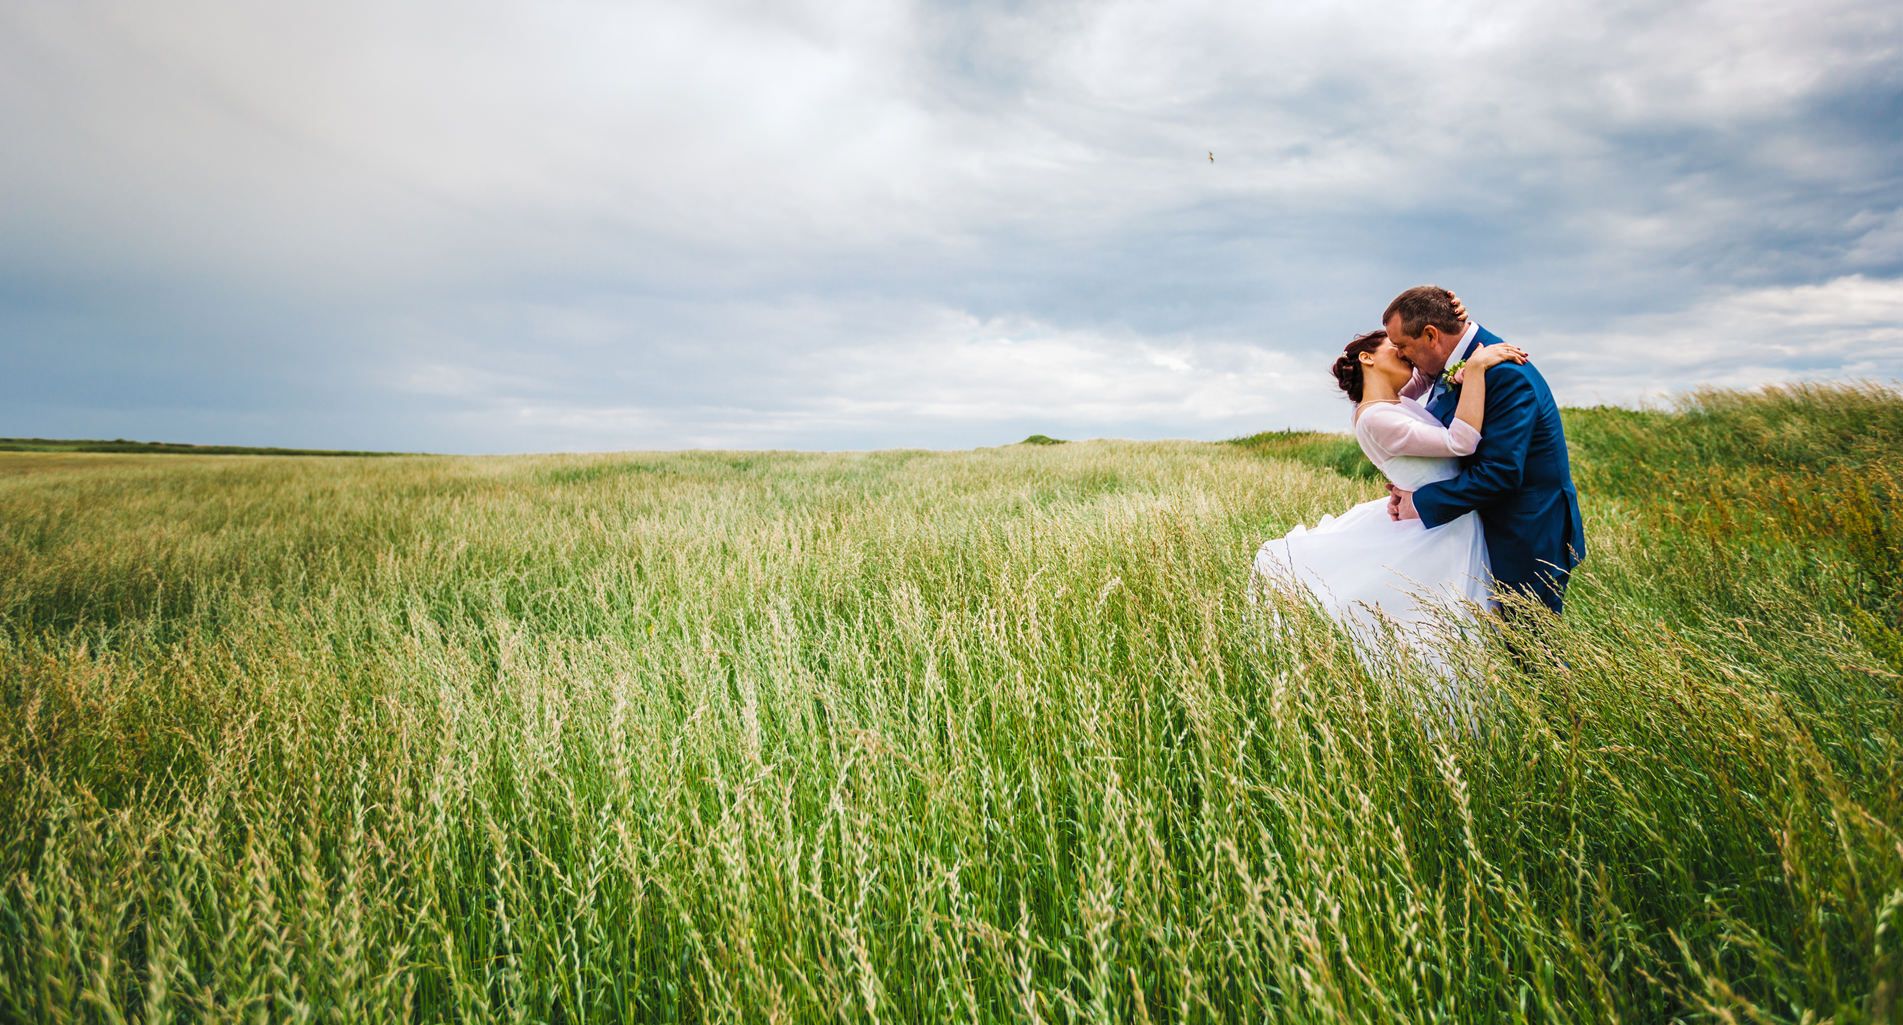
[(1519, 480)]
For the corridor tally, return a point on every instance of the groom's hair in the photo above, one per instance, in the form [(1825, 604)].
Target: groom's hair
[(1423, 305)]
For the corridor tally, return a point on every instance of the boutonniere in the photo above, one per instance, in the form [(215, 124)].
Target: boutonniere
[(1453, 370)]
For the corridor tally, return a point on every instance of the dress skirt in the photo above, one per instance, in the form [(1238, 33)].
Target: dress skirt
[(1362, 561)]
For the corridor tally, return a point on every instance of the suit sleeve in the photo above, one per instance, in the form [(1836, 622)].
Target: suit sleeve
[(1498, 465)]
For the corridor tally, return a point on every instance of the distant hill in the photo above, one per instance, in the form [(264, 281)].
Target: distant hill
[(165, 448)]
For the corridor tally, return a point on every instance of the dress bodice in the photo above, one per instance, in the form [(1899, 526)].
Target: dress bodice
[(1409, 446), (1411, 473)]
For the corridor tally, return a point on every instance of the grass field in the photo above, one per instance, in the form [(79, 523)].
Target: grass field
[(914, 736)]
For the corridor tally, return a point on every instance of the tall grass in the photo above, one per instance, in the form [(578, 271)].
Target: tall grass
[(916, 736)]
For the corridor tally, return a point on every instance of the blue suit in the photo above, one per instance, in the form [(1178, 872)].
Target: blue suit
[(1519, 480)]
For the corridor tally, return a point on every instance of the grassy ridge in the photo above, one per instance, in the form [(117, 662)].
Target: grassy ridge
[(1336, 452), (987, 735)]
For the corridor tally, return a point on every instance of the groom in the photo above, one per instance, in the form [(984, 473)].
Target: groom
[(1519, 480)]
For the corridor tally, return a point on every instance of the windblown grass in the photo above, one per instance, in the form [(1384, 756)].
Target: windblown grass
[(916, 736)]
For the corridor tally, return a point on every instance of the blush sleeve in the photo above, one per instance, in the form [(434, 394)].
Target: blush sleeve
[(1390, 429), (1416, 386)]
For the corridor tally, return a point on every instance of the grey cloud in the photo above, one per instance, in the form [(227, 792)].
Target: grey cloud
[(501, 226)]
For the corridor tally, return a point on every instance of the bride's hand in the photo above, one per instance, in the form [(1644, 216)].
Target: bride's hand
[(1489, 355), (1460, 309)]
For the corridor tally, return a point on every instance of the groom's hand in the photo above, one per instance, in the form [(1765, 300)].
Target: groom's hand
[(1401, 504)]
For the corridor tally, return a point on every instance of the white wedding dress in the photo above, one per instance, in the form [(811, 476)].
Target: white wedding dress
[(1364, 567)]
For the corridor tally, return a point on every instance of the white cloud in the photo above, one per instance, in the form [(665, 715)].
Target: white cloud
[(1846, 328), (944, 374)]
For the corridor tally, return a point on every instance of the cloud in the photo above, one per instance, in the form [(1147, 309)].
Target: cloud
[(879, 374), (1846, 328), (1878, 239), (506, 226)]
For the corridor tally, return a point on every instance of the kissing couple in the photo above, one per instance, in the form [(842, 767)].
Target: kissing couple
[(1480, 505)]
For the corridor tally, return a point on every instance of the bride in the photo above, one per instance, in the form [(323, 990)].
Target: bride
[(1363, 566)]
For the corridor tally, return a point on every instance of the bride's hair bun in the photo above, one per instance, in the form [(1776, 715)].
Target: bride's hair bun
[(1348, 375), (1347, 366)]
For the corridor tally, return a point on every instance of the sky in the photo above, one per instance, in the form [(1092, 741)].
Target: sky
[(479, 227)]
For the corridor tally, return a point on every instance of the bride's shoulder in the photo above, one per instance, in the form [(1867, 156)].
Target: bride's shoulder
[(1379, 407), (1405, 408), (1376, 411)]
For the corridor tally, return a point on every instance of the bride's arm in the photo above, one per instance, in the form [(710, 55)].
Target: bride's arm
[(1386, 429), (1472, 379), (1416, 386)]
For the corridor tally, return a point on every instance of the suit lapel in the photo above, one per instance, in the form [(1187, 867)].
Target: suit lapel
[(1447, 401)]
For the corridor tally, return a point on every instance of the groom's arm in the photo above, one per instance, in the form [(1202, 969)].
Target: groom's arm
[(1499, 464)]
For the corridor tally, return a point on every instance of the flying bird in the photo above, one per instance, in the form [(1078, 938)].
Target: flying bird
[(1212, 156)]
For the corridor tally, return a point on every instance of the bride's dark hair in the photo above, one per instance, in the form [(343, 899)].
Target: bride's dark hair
[(1348, 365)]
